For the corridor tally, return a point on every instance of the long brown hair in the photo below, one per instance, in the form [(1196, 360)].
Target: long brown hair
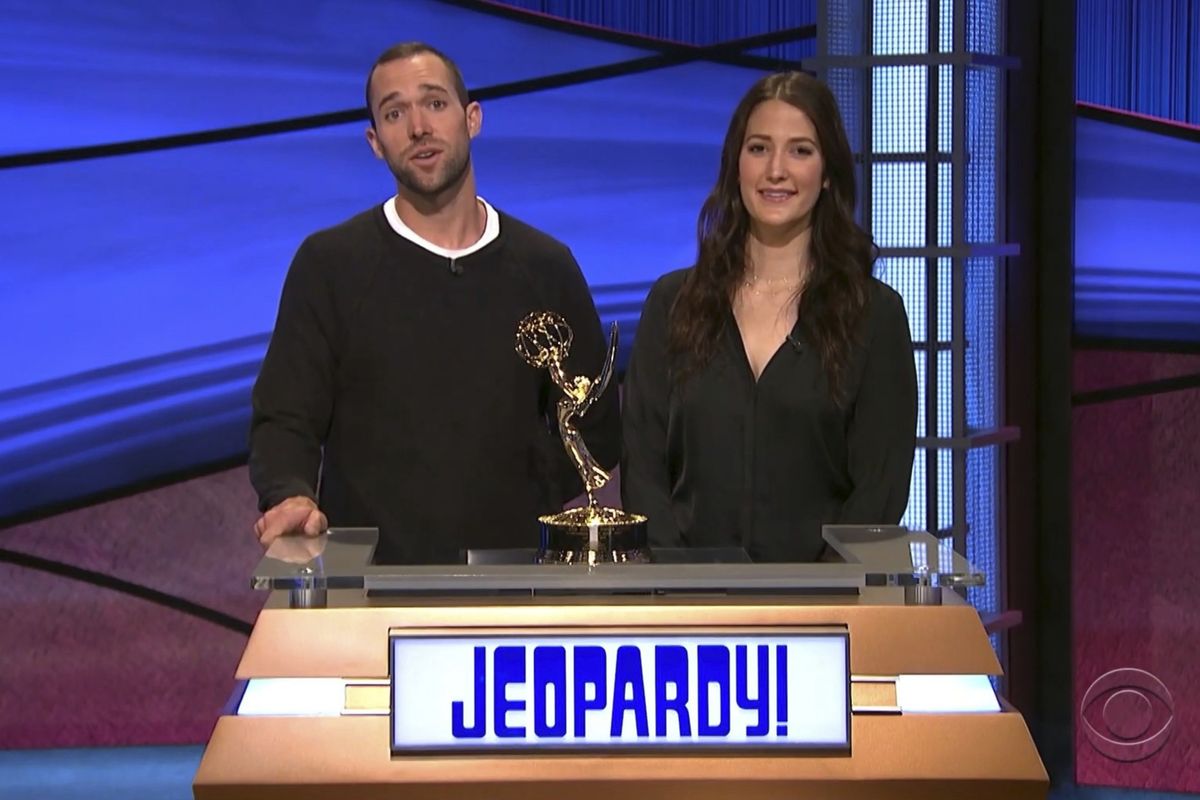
[(835, 296)]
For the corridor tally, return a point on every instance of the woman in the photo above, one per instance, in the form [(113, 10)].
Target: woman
[(771, 389)]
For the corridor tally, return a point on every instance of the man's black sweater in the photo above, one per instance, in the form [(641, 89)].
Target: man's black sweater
[(391, 391)]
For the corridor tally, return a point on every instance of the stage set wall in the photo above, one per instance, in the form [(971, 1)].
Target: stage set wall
[(126, 545), (169, 161), (1135, 396)]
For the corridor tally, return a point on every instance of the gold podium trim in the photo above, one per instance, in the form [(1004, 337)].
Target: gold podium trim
[(368, 697), (867, 696)]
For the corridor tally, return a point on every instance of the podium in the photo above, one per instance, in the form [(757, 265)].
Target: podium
[(699, 675)]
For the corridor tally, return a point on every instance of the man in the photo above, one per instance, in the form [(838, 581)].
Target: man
[(391, 394)]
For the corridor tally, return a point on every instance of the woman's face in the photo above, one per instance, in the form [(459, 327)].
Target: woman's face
[(780, 170)]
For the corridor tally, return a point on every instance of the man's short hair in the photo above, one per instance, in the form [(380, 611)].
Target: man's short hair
[(404, 50)]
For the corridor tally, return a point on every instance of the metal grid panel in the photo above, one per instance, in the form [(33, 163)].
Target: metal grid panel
[(920, 359), (898, 98), (907, 277), (982, 361), (983, 86), (900, 27), (916, 516), (945, 384), (841, 30), (982, 536), (945, 30), (945, 493), (984, 26), (847, 87), (944, 311), (954, 175), (898, 204), (945, 206), (945, 107)]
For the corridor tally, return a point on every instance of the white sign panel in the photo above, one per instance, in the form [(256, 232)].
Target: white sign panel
[(620, 691)]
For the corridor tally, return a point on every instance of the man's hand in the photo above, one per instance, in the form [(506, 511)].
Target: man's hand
[(294, 516)]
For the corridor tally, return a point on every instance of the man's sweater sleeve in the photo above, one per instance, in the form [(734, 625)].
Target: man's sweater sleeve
[(293, 396)]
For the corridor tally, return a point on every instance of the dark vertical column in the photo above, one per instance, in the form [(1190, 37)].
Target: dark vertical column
[(1054, 192), (1019, 501), (932, 307), (958, 271), (1040, 141)]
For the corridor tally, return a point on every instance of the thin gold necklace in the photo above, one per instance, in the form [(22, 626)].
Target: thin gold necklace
[(771, 286)]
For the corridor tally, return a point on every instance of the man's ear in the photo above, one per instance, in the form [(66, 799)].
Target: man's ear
[(373, 140), (474, 118)]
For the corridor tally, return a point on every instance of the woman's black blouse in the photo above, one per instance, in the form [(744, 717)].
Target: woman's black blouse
[(721, 460)]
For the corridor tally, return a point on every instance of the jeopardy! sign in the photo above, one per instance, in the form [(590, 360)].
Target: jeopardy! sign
[(620, 691)]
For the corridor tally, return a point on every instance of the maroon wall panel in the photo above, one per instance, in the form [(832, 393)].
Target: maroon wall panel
[(82, 665), (1135, 572)]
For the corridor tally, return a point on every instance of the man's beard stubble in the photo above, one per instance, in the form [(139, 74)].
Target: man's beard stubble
[(452, 172)]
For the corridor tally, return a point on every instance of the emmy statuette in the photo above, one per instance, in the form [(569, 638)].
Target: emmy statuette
[(591, 533)]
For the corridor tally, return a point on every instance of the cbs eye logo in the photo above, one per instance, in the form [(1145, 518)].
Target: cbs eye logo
[(1134, 719)]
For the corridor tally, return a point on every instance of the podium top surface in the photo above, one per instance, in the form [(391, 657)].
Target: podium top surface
[(870, 555)]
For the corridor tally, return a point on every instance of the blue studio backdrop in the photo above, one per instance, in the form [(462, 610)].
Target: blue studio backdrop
[(162, 162), (1137, 208)]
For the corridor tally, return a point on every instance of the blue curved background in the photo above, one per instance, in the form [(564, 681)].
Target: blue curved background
[(1137, 233), (139, 290)]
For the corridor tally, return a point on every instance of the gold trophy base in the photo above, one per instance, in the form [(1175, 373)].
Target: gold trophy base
[(592, 535)]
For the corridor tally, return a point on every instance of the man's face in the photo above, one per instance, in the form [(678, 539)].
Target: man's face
[(421, 128)]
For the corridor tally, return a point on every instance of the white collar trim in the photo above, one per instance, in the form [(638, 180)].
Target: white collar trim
[(491, 230)]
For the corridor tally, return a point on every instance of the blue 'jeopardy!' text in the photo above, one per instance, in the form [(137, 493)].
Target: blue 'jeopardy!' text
[(659, 677), (475, 691)]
